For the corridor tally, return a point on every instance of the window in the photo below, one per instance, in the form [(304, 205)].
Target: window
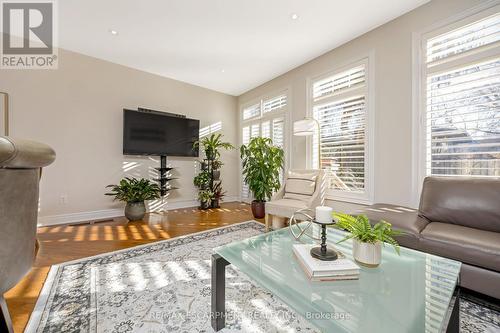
[(339, 103), (265, 118), (461, 104)]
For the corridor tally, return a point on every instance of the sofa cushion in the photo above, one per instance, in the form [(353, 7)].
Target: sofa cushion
[(402, 218), (470, 202), (300, 186), (472, 246)]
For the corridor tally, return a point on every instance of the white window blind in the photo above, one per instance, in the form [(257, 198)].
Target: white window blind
[(462, 128), (339, 105)]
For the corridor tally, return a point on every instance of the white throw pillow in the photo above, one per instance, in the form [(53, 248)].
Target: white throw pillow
[(300, 186)]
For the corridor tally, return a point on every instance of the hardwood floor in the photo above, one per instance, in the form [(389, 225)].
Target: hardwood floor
[(69, 242)]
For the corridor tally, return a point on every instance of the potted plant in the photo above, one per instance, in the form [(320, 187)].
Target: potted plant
[(216, 166), (134, 192), (202, 180), (367, 240), (218, 194), (212, 144), (261, 163), (205, 197)]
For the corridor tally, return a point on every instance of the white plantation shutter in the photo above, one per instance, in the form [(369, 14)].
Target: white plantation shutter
[(339, 105), (246, 135), (472, 36), (266, 129), (279, 132), (274, 103), (462, 123), (342, 134), (338, 83), (270, 123), (251, 112)]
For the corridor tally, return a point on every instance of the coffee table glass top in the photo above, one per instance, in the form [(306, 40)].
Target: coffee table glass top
[(406, 293)]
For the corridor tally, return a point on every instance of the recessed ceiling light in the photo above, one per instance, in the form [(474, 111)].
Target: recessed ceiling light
[(222, 70), (113, 32), (294, 16)]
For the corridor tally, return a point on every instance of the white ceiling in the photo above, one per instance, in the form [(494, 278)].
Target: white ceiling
[(230, 46)]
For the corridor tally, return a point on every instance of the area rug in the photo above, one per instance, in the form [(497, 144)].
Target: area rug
[(165, 287)]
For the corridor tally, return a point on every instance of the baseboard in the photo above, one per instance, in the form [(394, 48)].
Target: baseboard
[(95, 215), (99, 215)]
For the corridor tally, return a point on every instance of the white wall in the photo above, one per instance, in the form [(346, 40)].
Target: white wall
[(77, 109), (391, 45)]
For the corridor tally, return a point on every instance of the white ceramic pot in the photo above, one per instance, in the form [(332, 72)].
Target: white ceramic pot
[(278, 222), (367, 254)]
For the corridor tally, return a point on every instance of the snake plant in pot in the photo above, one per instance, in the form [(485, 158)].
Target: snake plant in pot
[(367, 240), (261, 165), (134, 192)]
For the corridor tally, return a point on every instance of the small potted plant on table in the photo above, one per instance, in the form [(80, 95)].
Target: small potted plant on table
[(134, 192), (261, 163), (367, 240)]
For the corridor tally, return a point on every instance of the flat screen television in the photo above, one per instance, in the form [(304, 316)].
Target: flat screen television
[(158, 133)]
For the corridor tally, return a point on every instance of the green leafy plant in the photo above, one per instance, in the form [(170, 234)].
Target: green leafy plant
[(359, 228), (205, 196), (134, 190), (202, 179), (212, 144), (262, 163)]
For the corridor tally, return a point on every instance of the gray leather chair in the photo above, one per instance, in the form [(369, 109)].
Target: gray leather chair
[(458, 218), (20, 169)]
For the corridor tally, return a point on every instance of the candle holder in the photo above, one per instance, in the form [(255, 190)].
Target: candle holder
[(322, 252)]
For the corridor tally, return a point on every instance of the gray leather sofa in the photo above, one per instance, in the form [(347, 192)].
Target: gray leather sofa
[(20, 168), (458, 218)]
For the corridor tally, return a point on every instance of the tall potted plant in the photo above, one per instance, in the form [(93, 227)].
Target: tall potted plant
[(367, 240), (261, 163), (134, 192)]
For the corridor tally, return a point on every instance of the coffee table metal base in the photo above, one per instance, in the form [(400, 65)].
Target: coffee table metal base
[(218, 314)]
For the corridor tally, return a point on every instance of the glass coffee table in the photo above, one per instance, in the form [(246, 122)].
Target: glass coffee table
[(413, 292)]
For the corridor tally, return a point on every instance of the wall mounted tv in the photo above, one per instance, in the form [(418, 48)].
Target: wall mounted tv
[(159, 133)]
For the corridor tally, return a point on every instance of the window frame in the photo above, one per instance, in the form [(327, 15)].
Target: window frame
[(283, 112), (367, 197), (420, 73)]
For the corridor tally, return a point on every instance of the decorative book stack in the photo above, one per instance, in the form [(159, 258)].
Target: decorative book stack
[(320, 270)]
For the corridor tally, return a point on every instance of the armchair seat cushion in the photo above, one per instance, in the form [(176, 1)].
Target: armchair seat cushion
[(284, 207), (472, 246)]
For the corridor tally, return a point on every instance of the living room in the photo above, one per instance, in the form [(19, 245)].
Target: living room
[(161, 163)]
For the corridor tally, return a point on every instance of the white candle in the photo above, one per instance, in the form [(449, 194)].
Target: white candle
[(324, 214)]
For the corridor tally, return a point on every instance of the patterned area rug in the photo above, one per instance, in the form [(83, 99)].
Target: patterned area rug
[(165, 287)]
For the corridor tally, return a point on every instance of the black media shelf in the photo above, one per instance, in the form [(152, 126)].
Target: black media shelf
[(163, 178)]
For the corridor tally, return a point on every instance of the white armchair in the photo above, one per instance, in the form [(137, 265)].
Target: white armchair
[(300, 189)]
